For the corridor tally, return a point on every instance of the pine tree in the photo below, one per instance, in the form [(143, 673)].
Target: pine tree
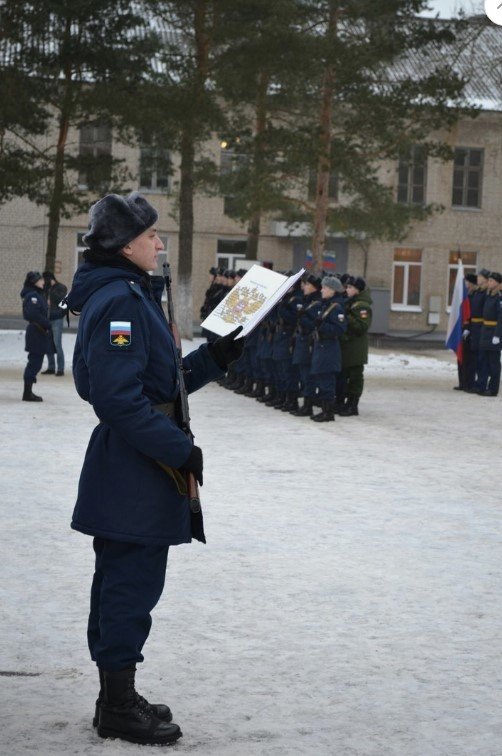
[(372, 105), (260, 47), (184, 112), (85, 60), (367, 82)]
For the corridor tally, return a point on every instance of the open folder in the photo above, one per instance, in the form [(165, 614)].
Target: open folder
[(248, 302)]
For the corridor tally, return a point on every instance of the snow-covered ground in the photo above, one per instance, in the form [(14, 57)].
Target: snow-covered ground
[(348, 601)]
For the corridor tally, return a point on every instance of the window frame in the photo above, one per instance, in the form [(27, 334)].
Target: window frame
[(158, 154), (230, 256), (410, 163), (465, 188), (403, 307), (229, 161), (333, 185), (95, 150)]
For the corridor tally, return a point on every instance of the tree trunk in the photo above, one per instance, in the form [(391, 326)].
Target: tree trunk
[(56, 201), (184, 297), (258, 157), (253, 236), (366, 248), (324, 157)]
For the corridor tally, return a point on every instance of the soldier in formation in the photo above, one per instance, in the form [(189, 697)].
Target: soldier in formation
[(490, 338), (479, 371), (310, 350)]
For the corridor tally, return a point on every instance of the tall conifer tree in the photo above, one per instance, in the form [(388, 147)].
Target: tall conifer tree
[(367, 82), (184, 112), (85, 59)]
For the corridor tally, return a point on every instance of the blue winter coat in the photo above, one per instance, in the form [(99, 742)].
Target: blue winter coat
[(331, 324), (124, 364), (266, 342), (491, 318), (477, 300), (302, 354), (36, 312), (287, 313)]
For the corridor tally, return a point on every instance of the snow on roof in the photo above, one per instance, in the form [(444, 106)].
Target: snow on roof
[(476, 56)]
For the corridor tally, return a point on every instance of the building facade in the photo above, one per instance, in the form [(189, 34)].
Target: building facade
[(411, 280)]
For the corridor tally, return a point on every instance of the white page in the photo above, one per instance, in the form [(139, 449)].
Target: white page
[(248, 301), (258, 317)]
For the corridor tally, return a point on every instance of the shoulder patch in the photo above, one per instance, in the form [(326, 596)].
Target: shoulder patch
[(363, 313), (341, 317), (120, 333), (34, 300)]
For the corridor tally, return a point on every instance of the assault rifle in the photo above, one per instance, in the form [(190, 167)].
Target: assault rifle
[(182, 414)]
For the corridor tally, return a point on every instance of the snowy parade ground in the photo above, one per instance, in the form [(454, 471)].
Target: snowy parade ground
[(348, 601)]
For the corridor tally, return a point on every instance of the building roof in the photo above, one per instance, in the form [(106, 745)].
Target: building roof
[(476, 56)]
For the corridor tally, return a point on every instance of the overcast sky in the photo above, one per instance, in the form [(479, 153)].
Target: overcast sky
[(450, 8)]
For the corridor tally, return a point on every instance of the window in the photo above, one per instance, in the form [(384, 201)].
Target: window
[(332, 186), (407, 278), (467, 177), (469, 261), (95, 155), (154, 167), (229, 253), (411, 177), (230, 161)]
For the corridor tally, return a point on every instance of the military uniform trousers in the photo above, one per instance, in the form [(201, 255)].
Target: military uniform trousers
[(467, 369), (285, 376), (32, 367), (489, 370), (326, 386), (128, 583), (352, 380), (307, 381)]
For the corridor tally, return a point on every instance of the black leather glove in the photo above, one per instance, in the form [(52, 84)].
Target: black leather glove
[(225, 350), (194, 464)]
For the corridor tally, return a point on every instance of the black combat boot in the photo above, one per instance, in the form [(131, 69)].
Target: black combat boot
[(160, 710), (49, 371), (350, 407), (28, 395), (247, 385), (228, 380), (258, 390), (238, 383), (327, 413), (282, 398), (306, 410), (267, 392), (339, 406), (125, 714), (291, 403), (274, 398), (250, 390)]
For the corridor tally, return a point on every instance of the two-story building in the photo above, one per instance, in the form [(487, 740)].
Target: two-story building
[(411, 280)]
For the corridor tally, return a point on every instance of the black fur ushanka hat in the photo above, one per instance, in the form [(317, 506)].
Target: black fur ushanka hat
[(114, 221)]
